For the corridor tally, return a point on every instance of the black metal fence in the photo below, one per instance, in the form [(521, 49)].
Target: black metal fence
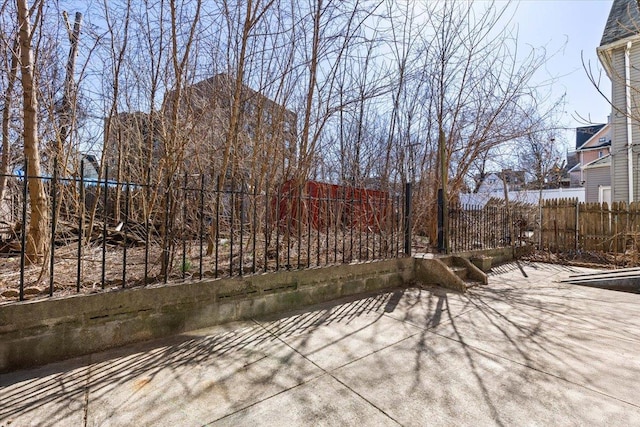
[(105, 234), (475, 227)]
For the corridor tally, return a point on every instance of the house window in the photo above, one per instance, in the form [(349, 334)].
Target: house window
[(600, 154), (602, 139)]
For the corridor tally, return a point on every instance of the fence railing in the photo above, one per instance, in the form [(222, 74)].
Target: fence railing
[(105, 234), (475, 227), (569, 226)]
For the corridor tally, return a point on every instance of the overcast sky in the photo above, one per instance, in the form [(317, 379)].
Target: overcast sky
[(569, 28)]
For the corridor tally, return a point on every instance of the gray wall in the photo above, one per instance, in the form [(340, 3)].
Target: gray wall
[(619, 168), (594, 178), (42, 331)]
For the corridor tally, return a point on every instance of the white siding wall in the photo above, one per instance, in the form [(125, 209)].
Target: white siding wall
[(619, 166), (635, 105), (596, 177), (619, 134)]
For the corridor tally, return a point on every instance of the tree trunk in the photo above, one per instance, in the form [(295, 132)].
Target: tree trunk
[(36, 237)]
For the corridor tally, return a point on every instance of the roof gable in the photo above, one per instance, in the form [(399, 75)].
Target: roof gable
[(623, 21), (601, 162), (589, 136)]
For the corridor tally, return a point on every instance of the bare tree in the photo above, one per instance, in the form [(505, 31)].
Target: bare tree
[(482, 86), (539, 154), (36, 237), (12, 73)]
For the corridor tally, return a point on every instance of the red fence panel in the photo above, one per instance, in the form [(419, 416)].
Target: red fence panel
[(326, 204)]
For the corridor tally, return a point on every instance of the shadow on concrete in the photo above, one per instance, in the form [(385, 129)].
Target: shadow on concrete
[(531, 324), (67, 385)]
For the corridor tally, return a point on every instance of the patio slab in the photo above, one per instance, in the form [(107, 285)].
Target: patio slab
[(518, 351)]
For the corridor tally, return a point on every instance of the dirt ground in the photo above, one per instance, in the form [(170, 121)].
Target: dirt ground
[(589, 259)]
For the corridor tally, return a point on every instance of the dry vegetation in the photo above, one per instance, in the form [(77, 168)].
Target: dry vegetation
[(253, 93)]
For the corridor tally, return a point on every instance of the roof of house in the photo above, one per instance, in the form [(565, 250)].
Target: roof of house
[(572, 161), (575, 168), (606, 143), (585, 133), (602, 161), (623, 21)]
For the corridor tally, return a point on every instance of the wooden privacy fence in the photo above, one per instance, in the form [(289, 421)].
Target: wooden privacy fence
[(568, 226)]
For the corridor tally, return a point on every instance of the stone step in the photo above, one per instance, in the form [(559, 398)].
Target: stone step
[(472, 283), (461, 272), (447, 260)]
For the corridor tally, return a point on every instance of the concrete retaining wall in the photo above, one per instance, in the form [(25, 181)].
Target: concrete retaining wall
[(42, 331), (498, 256)]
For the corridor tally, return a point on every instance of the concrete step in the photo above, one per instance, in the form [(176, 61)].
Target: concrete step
[(627, 279), (472, 283), (461, 272), (610, 274), (447, 260)]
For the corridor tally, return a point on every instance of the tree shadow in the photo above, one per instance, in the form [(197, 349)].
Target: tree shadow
[(233, 348), (530, 326)]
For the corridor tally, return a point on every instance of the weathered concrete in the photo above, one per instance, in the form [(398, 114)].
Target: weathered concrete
[(42, 331), (483, 262), (432, 269), (498, 256), (473, 272), (624, 279), (37, 332), (519, 351), (436, 269)]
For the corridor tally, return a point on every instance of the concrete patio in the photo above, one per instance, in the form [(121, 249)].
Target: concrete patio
[(519, 351)]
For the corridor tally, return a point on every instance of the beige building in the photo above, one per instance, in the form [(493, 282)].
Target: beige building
[(134, 146), (264, 146), (265, 143)]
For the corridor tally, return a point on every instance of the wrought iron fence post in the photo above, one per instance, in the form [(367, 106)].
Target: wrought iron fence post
[(54, 220), (125, 226), (166, 242), (407, 219), (80, 228), (147, 216), (105, 198), (441, 243), (201, 208), (23, 237)]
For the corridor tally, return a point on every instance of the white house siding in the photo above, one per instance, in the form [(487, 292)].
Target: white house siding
[(596, 177), (635, 105), (619, 135), (619, 165)]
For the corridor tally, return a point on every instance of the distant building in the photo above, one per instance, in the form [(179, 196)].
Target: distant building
[(266, 136), (492, 187), (593, 162), (134, 146), (89, 166), (493, 182)]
